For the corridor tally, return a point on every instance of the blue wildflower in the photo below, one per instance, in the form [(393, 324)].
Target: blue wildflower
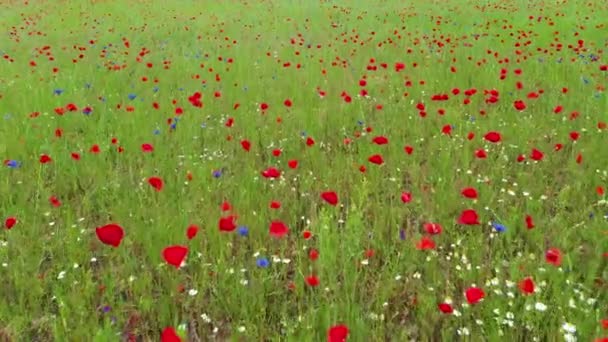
[(132, 96), (499, 227), (87, 110), (155, 89), (57, 91), (13, 164), (243, 231), (173, 125), (156, 132), (217, 173), (262, 262), (402, 234)]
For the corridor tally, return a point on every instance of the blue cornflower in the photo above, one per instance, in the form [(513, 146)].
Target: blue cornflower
[(499, 227), (217, 173), (156, 132), (132, 96), (58, 91), (262, 262), (155, 89), (13, 164), (243, 231), (173, 125), (402, 234)]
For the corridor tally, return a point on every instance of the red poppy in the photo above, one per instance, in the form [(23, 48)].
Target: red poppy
[(469, 217), (227, 224), (337, 333), (110, 234), (175, 255), (469, 193), (527, 286), (191, 231), (169, 335), (278, 229), (330, 197), (156, 183), (10, 222), (445, 308), (474, 295), (554, 256)]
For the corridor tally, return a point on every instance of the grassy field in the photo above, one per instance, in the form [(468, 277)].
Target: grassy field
[(303, 170)]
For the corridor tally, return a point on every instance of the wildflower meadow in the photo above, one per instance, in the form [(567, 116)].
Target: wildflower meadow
[(281, 170)]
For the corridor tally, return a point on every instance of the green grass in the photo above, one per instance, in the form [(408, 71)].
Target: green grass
[(56, 276)]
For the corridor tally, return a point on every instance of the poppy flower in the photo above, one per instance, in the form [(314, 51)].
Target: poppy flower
[(55, 202), (432, 228), (169, 335), (406, 197), (45, 159), (110, 234), (474, 295), (376, 159), (337, 333), (446, 308), (271, 172), (10, 222), (380, 140), (146, 148), (312, 281), (554, 256), (529, 222), (519, 105), (156, 182), (175, 255), (227, 224), (469, 193), (493, 137), (313, 254), (425, 243), (275, 205), (481, 154), (278, 229), (330, 197), (246, 145), (292, 164), (536, 155), (191, 231), (527, 286), (469, 217)]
